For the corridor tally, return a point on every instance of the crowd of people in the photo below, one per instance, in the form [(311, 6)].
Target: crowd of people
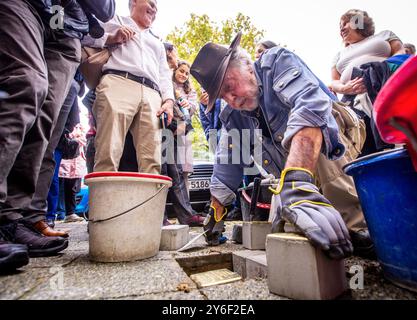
[(145, 87)]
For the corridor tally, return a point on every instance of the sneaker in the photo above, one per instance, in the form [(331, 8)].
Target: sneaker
[(38, 245), (73, 218), (196, 221), (12, 256)]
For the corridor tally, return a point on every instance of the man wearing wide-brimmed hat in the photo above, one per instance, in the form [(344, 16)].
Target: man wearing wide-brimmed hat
[(282, 97)]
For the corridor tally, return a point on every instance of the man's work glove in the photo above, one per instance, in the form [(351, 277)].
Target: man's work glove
[(307, 209), (214, 222)]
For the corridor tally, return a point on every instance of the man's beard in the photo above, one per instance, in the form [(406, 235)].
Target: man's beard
[(254, 102), (252, 106)]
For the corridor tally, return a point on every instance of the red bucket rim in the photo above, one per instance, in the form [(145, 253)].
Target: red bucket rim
[(127, 174)]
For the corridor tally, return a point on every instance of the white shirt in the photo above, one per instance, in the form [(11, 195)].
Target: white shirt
[(372, 49), (144, 55)]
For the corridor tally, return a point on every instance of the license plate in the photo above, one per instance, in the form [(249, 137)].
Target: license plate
[(200, 184)]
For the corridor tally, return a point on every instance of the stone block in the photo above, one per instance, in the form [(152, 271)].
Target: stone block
[(254, 234), (174, 237), (297, 270), (239, 260), (256, 267)]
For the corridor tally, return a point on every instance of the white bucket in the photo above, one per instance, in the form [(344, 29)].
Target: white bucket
[(126, 211)]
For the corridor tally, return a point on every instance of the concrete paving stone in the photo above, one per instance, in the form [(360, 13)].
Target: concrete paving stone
[(174, 237), (299, 271), (256, 267), (15, 285), (252, 289), (77, 230), (254, 234), (88, 280), (76, 246), (62, 259), (239, 260)]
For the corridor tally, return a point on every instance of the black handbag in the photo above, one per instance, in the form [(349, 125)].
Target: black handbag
[(70, 147)]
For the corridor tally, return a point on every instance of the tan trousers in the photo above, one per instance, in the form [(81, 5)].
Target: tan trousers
[(337, 186), (340, 190), (124, 105)]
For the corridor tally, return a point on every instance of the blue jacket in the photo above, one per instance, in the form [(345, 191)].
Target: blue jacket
[(291, 98), (75, 20), (211, 121)]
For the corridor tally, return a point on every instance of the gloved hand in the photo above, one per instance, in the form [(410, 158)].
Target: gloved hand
[(311, 213), (214, 222)]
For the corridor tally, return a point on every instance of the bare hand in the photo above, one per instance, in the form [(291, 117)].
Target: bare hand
[(185, 104), (355, 86), (204, 99), (168, 108), (122, 35)]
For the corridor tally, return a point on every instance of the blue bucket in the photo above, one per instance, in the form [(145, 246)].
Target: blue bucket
[(387, 187)]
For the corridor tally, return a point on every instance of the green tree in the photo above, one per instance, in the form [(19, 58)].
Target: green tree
[(194, 34)]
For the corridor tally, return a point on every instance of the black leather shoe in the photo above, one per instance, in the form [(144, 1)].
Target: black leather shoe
[(363, 245), (38, 245), (12, 256)]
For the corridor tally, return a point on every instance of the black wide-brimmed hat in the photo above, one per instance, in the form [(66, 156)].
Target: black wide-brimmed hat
[(210, 66)]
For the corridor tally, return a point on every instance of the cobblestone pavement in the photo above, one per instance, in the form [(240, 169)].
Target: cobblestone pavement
[(71, 275)]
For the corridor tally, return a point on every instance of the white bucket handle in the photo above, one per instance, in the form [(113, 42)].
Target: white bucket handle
[(131, 209)]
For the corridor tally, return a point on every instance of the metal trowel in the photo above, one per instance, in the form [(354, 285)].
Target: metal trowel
[(189, 243)]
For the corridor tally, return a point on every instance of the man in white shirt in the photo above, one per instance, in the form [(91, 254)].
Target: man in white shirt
[(135, 90)]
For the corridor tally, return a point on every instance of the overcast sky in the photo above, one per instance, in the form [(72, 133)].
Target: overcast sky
[(311, 28)]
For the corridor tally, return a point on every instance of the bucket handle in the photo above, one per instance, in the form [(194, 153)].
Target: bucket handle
[(131, 209)]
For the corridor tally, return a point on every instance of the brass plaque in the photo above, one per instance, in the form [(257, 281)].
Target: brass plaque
[(289, 236), (215, 277)]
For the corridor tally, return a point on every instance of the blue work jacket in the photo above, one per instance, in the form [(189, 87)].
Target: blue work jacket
[(291, 98)]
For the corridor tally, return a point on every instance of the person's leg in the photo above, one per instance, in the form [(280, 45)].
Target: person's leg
[(340, 190), (60, 210), (146, 132), (117, 102), (70, 192), (36, 211), (23, 75), (181, 207), (53, 195), (72, 187), (24, 124)]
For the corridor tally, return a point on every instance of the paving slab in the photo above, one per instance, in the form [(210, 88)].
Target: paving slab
[(239, 260), (15, 285), (252, 289), (88, 280), (157, 277), (256, 267)]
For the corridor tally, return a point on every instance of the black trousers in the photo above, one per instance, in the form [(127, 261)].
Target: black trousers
[(71, 188), (36, 69)]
